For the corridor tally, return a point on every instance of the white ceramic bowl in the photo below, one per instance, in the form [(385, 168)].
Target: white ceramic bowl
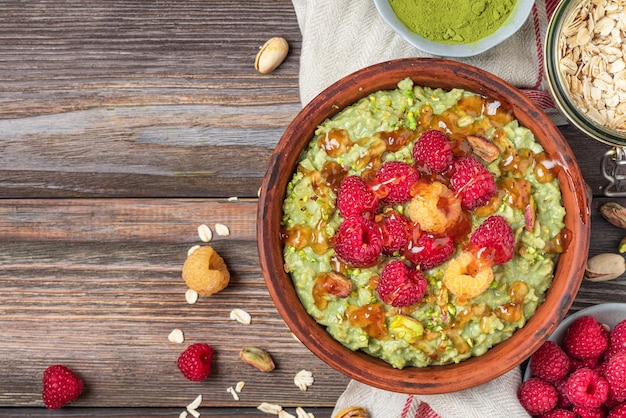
[(606, 313), (515, 21)]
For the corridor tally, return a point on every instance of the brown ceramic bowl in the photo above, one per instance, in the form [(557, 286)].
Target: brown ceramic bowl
[(361, 366)]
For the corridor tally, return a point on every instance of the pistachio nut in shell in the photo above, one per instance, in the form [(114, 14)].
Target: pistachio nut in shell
[(603, 267), (614, 213), (257, 358), (353, 412), (271, 55)]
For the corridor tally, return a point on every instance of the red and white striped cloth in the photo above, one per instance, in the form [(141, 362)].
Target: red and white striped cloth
[(341, 37), (494, 399)]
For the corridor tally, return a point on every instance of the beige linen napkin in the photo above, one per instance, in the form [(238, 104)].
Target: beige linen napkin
[(497, 399), (340, 37)]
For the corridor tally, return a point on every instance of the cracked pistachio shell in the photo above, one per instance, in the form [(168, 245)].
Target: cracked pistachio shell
[(271, 55), (604, 267)]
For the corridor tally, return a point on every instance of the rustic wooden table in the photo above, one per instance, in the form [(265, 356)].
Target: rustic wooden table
[(125, 125)]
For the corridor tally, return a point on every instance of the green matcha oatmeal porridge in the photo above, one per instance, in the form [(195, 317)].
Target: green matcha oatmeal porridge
[(422, 226)]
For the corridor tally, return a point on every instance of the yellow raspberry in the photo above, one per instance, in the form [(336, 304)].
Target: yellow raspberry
[(434, 207), (205, 271), (466, 277)]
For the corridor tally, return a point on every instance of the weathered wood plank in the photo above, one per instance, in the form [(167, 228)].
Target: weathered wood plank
[(95, 285), (69, 412)]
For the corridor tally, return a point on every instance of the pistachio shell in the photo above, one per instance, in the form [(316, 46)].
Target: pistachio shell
[(271, 55), (604, 267), (257, 358), (614, 213)]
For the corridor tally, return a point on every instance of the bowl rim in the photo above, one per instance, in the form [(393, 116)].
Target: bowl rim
[(556, 83), (510, 26), (378, 373)]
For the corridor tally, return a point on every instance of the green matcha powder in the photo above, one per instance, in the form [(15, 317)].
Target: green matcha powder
[(453, 21)]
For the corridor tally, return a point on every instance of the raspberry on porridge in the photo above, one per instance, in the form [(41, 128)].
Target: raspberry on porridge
[(422, 226)]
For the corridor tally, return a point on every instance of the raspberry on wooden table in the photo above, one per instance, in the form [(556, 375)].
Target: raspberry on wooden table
[(60, 386), (195, 362)]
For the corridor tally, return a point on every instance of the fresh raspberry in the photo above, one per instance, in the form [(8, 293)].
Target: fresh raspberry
[(537, 396), (618, 411), (583, 412), (205, 271), (60, 386), (395, 179), (561, 388), (494, 240), (358, 241), (559, 413), (615, 374), (617, 339), (472, 182), (355, 197), (586, 388), (550, 362), (429, 251), (433, 151), (195, 362), (400, 285), (586, 338), (395, 230)]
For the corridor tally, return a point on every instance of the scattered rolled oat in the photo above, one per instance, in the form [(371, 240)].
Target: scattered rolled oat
[(301, 413), (592, 60), (193, 412), (241, 316), (232, 199), (176, 336), (205, 233), (233, 392), (270, 408), (285, 414), (191, 296), (239, 386), (192, 249), (222, 230), (183, 414), (196, 403), (303, 379)]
